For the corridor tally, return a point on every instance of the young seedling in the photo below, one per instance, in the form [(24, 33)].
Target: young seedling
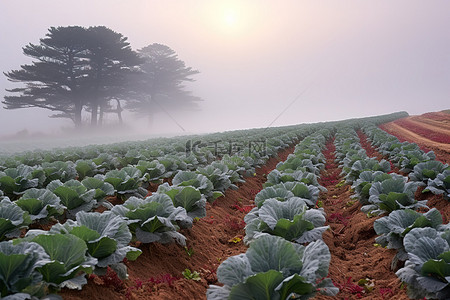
[(188, 274), (189, 251)]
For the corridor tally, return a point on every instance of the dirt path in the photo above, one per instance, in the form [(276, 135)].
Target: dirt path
[(156, 274), (351, 241)]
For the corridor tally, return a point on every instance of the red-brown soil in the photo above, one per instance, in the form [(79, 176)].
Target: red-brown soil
[(431, 131), (210, 239), (351, 242)]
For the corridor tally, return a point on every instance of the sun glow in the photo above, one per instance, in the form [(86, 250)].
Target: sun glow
[(231, 18)]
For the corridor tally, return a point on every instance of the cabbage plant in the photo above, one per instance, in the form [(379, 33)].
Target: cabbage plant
[(86, 168), (153, 170), (102, 190), (291, 220), (368, 164), (198, 181), (69, 259), (40, 204), (59, 170), (125, 181), (220, 176), (427, 270), (172, 164), (294, 163), (107, 237), (425, 171), (392, 194), (186, 197), (276, 177), (408, 159), (279, 193), (19, 278), (309, 193), (15, 181), (440, 185), (272, 269), (74, 196), (105, 162), (154, 219), (243, 165), (12, 219), (364, 182), (393, 228)]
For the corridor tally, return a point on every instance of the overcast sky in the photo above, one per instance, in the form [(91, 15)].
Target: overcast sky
[(344, 58)]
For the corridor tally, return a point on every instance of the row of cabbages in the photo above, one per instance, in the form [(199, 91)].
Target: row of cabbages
[(422, 167), (44, 261), (61, 189), (421, 239), (145, 161), (277, 265)]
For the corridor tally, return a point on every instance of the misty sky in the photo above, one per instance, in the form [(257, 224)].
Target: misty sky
[(344, 58)]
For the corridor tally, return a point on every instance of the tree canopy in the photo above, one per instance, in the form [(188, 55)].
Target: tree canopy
[(76, 69), (161, 83)]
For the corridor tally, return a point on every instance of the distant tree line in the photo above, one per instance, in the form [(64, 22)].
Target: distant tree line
[(94, 70)]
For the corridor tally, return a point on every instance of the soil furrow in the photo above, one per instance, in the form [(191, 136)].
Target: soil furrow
[(351, 241)]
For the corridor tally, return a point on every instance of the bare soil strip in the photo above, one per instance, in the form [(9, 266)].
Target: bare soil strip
[(351, 241), (436, 126), (156, 274), (442, 150), (444, 124)]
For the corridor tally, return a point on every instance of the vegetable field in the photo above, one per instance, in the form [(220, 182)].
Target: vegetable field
[(353, 209)]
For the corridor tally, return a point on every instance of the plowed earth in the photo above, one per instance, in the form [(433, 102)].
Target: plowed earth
[(431, 131)]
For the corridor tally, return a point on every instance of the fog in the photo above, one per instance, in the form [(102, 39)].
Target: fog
[(325, 60)]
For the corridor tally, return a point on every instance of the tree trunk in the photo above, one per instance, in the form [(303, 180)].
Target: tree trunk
[(100, 119), (94, 114), (119, 112), (77, 114)]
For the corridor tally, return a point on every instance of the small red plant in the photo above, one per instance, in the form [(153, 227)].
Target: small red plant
[(234, 223), (210, 220), (166, 278), (243, 209), (338, 218), (349, 287), (111, 279), (386, 293), (139, 284)]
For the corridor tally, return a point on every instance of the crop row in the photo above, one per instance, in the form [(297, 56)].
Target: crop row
[(421, 239), (277, 265)]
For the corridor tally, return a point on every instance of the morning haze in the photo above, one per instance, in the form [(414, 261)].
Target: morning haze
[(339, 59)]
